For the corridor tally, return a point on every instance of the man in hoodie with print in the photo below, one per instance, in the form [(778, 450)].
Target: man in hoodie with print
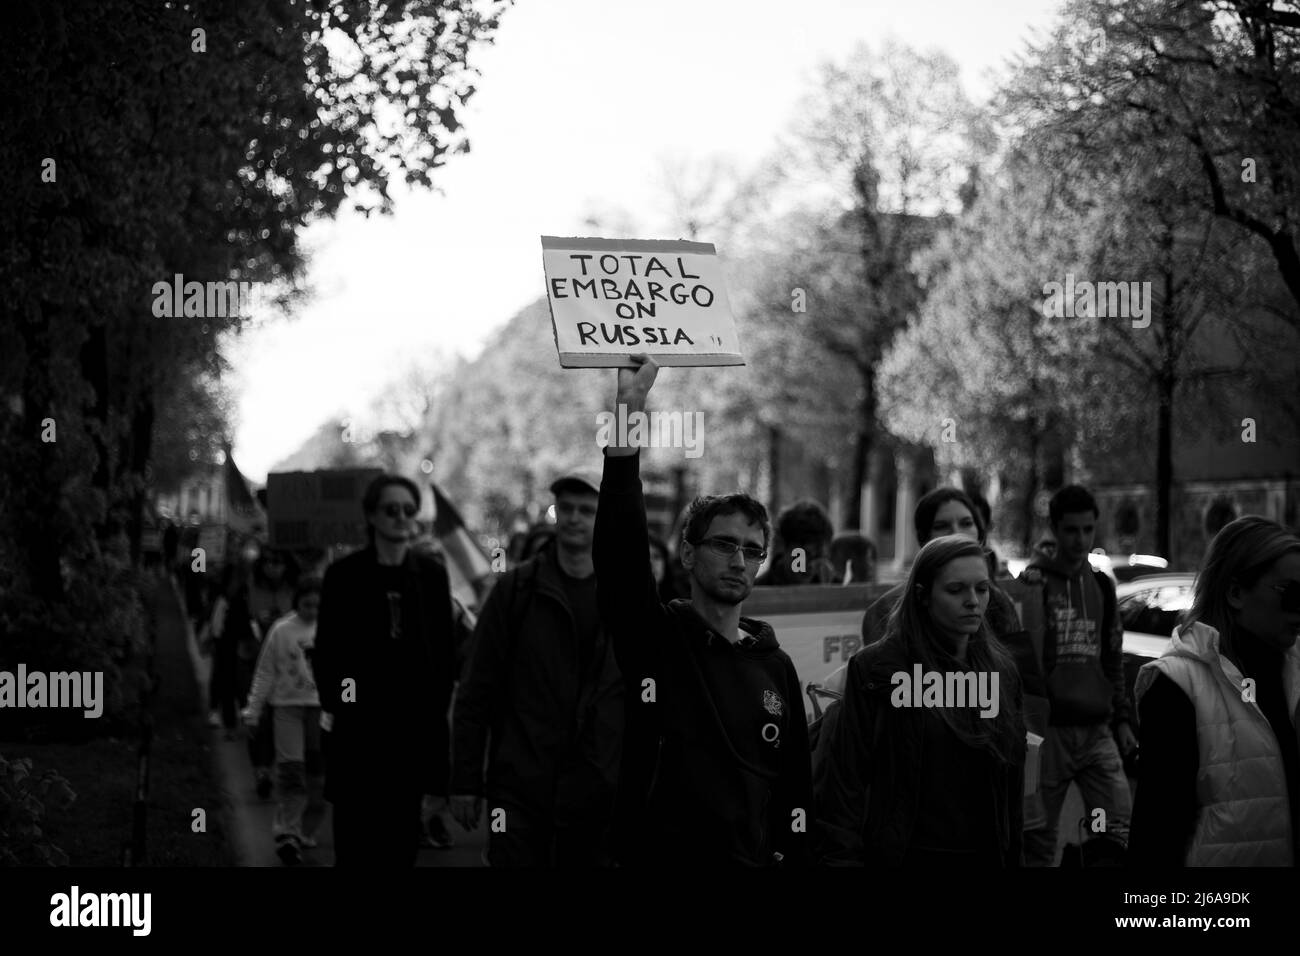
[(1084, 665), (716, 769)]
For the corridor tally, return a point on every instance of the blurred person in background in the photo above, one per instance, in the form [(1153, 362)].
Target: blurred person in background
[(803, 542), (230, 631), (947, 511), (283, 679), (1089, 729), (853, 558), (270, 597), (661, 566)]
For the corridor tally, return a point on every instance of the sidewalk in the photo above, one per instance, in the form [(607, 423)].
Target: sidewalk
[(248, 818)]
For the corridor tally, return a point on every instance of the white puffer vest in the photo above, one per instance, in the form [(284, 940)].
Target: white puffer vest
[(1244, 817)]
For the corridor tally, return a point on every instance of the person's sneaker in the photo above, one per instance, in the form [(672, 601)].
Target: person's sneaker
[(263, 784), (436, 834), (288, 853)]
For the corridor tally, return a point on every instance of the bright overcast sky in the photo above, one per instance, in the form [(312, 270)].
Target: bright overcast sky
[(578, 102)]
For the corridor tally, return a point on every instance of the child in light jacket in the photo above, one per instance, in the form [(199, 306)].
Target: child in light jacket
[(283, 679)]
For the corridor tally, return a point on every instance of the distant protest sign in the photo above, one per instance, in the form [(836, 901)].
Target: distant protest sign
[(611, 298), (317, 509)]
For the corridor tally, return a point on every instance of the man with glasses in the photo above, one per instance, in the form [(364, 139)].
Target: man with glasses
[(384, 663), (543, 686), (715, 769)]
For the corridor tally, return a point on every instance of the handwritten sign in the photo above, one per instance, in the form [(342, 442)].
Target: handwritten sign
[(317, 509), (611, 298)]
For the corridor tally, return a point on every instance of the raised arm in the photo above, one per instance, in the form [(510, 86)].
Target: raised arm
[(625, 589)]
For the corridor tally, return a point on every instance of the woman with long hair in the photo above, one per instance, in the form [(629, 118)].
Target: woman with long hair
[(944, 511), (925, 766), (1219, 780)]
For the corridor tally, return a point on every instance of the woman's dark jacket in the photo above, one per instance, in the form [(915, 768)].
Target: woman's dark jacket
[(868, 788)]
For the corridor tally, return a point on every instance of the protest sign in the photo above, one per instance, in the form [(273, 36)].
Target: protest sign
[(317, 509), (611, 298)]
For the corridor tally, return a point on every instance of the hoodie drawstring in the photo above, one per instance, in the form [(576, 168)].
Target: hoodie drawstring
[(1069, 606)]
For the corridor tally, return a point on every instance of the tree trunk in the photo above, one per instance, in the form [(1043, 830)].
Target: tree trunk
[(141, 445), (862, 451), (94, 369), (35, 499), (774, 469), (1031, 491), (1164, 464)]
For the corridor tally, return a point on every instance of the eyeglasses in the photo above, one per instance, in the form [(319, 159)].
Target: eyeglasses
[(725, 548), (395, 510), (1290, 595)]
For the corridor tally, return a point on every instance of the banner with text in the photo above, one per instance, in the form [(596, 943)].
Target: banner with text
[(317, 509), (611, 298)]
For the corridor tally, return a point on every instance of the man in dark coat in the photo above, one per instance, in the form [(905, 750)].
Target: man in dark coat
[(385, 662), (543, 685)]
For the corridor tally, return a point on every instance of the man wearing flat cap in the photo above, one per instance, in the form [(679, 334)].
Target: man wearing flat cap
[(539, 714)]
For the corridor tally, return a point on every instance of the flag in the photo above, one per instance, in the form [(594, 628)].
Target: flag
[(243, 513), (467, 564)]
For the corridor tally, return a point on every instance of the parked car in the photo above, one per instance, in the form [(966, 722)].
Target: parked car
[(1118, 567), (1123, 568), (1149, 607)]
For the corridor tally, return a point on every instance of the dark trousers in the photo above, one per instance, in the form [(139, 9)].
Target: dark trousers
[(377, 830), (223, 688)]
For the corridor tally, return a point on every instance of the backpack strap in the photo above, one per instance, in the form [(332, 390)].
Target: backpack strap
[(525, 580)]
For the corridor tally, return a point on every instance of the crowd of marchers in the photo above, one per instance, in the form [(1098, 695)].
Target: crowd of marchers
[(612, 710)]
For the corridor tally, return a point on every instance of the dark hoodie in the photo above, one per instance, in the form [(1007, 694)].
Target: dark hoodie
[(1083, 645), (716, 768)]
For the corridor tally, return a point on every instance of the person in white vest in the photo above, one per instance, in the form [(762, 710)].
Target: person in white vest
[(1219, 781)]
